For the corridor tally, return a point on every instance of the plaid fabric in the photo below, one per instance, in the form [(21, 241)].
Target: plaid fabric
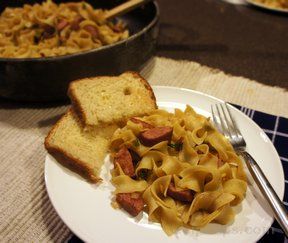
[(276, 129)]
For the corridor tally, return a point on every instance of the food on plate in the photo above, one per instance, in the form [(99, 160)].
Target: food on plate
[(185, 173), (174, 166), (81, 150), (180, 195), (50, 29), (80, 139), (124, 159), (155, 135), (281, 4), (112, 99), (133, 203)]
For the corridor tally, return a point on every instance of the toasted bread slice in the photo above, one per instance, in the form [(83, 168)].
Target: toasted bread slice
[(110, 99), (78, 149)]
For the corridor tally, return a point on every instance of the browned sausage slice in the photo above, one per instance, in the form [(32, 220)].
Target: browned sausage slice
[(180, 195), (119, 27), (92, 30), (155, 135), (49, 31), (144, 124), (75, 23), (131, 202), (62, 24), (124, 159)]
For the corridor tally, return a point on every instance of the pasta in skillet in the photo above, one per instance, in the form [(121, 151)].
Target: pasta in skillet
[(180, 167), (49, 29), (281, 4)]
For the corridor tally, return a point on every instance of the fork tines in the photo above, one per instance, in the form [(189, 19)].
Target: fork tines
[(225, 122)]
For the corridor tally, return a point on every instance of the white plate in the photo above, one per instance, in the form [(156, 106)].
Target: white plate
[(281, 10), (86, 208)]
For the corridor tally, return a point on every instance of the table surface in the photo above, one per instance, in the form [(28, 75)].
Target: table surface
[(239, 39)]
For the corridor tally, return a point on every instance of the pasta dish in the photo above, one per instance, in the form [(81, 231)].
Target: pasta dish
[(48, 29), (178, 169), (274, 3)]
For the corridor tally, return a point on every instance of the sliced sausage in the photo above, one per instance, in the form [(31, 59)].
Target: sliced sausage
[(48, 32), (124, 159), (144, 124), (62, 23), (131, 202), (75, 23), (180, 195), (155, 135), (117, 28), (92, 30)]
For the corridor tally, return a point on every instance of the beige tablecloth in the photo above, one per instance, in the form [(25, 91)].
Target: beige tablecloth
[(26, 212)]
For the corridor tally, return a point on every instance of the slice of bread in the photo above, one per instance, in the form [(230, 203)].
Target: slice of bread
[(80, 150), (111, 99)]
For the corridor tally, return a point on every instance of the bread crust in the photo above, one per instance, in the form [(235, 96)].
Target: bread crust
[(77, 104), (67, 159)]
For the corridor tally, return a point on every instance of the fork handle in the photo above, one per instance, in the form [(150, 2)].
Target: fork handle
[(267, 190)]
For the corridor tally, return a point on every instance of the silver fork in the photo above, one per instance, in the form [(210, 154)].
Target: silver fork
[(226, 124)]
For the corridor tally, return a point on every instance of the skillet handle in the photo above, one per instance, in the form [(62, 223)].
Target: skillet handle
[(124, 8)]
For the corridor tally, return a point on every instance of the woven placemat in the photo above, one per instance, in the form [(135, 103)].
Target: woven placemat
[(26, 214), (237, 90)]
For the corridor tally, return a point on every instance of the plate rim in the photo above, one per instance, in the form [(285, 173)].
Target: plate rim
[(80, 233)]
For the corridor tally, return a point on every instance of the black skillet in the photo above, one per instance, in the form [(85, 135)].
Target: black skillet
[(47, 79)]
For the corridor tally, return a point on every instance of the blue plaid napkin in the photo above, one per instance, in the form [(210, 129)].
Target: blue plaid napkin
[(277, 130)]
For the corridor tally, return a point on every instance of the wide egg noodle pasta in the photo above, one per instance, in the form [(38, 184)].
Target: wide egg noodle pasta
[(280, 4), (50, 29), (200, 178), (188, 153), (160, 207), (206, 207), (159, 118), (124, 183), (198, 135), (237, 188), (208, 159), (160, 164), (203, 161)]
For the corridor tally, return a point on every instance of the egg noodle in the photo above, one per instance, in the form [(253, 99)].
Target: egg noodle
[(198, 158), (49, 29), (281, 4)]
